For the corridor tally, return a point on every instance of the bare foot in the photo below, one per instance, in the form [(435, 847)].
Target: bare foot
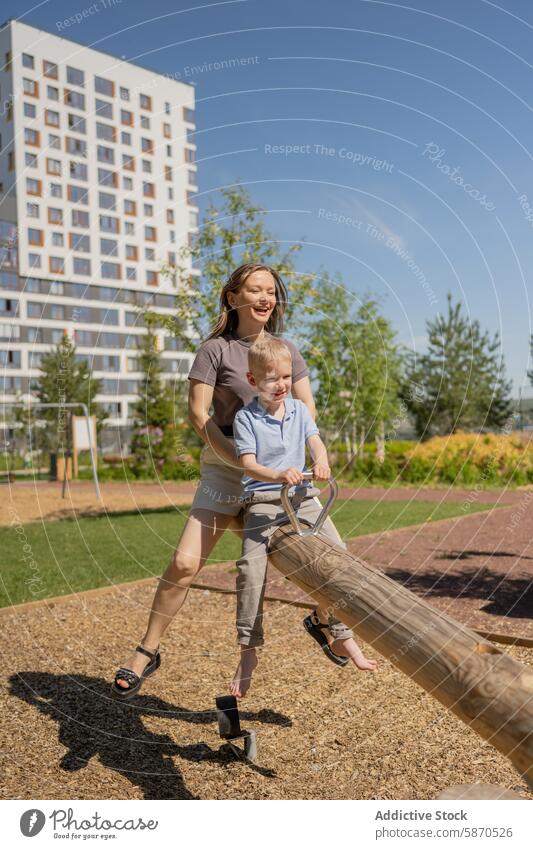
[(243, 674), (349, 648), (137, 662)]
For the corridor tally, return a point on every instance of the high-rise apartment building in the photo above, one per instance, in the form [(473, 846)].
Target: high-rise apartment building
[(97, 195)]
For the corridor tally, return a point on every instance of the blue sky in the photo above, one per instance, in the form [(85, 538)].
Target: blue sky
[(393, 139)]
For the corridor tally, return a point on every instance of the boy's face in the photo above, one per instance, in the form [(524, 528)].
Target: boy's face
[(274, 384)]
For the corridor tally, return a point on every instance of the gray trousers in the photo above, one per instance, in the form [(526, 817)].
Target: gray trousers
[(261, 517)]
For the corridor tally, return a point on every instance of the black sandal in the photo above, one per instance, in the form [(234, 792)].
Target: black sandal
[(133, 680), (316, 630)]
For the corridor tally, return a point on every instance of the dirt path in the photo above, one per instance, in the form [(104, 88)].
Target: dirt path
[(322, 732)]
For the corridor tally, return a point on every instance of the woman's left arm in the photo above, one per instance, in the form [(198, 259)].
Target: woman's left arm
[(303, 392)]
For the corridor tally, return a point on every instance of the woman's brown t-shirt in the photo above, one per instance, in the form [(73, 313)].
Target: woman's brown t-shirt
[(222, 363)]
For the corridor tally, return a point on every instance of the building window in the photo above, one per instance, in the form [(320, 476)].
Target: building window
[(106, 200), (57, 265), (81, 266), (104, 109), (52, 92), (169, 150), (151, 278), (51, 118), (32, 137), (131, 252), (148, 190), (105, 132), (78, 147), (34, 261), (190, 154), (167, 108), (50, 69), (191, 178), (172, 236), (33, 187), (54, 141), (53, 166), (57, 240), (108, 247), (32, 210), (75, 77), (126, 117), (105, 154), (124, 93), (80, 218), (167, 132), (149, 254), (168, 172), (129, 228), (55, 216), (35, 237), (171, 258), (77, 124), (130, 207), (57, 312), (148, 209), (128, 162), (105, 87), (147, 166), (170, 216), (30, 110), (109, 224), (30, 87), (110, 270), (78, 194), (170, 193), (150, 234), (56, 190), (75, 99), (28, 61), (79, 242), (78, 171), (147, 145), (193, 218), (145, 102), (190, 136), (30, 160), (125, 138), (127, 184), (107, 178), (34, 309), (145, 122), (188, 115), (131, 273)]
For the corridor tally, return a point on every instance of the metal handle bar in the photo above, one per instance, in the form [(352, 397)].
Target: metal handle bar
[(291, 514)]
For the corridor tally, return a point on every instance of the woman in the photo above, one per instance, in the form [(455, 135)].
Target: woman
[(252, 302)]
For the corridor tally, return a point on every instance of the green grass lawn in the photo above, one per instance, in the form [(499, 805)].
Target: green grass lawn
[(56, 558)]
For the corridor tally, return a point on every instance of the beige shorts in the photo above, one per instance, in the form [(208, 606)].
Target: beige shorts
[(219, 488)]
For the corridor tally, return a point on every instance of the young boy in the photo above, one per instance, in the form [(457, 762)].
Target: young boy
[(270, 437)]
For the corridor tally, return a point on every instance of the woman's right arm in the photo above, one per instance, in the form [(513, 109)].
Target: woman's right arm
[(200, 398)]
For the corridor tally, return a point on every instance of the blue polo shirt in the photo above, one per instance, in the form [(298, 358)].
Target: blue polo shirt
[(277, 444)]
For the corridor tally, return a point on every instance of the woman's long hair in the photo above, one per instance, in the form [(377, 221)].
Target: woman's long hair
[(228, 318)]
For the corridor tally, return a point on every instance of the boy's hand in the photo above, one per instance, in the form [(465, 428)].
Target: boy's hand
[(292, 476), (321, 472)]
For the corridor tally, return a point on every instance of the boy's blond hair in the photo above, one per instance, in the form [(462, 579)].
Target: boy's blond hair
[(266, 351)]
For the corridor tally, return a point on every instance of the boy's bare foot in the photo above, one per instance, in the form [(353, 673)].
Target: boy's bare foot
[(137, 662), (243, 674), (349, 648)]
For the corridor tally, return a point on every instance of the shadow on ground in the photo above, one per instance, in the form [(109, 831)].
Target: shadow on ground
[(92, 724), (504, 596)]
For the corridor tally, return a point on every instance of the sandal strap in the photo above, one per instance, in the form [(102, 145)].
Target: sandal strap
[(127, 675), (146, 652), (318, 623)]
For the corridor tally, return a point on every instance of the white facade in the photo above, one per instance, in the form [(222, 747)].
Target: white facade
[(97, 173)]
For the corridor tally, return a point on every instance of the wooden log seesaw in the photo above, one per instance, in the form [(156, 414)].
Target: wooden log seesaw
[(486, 688)]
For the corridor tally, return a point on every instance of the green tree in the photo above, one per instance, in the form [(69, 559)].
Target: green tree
[(229, 235), (356, 366), (459, 384), (154, 406), (63, 380)]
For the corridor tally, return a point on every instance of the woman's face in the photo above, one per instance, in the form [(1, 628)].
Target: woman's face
[(255, 299)]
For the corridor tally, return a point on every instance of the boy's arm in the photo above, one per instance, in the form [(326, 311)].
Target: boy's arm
[(319, 457), (263, 473)]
